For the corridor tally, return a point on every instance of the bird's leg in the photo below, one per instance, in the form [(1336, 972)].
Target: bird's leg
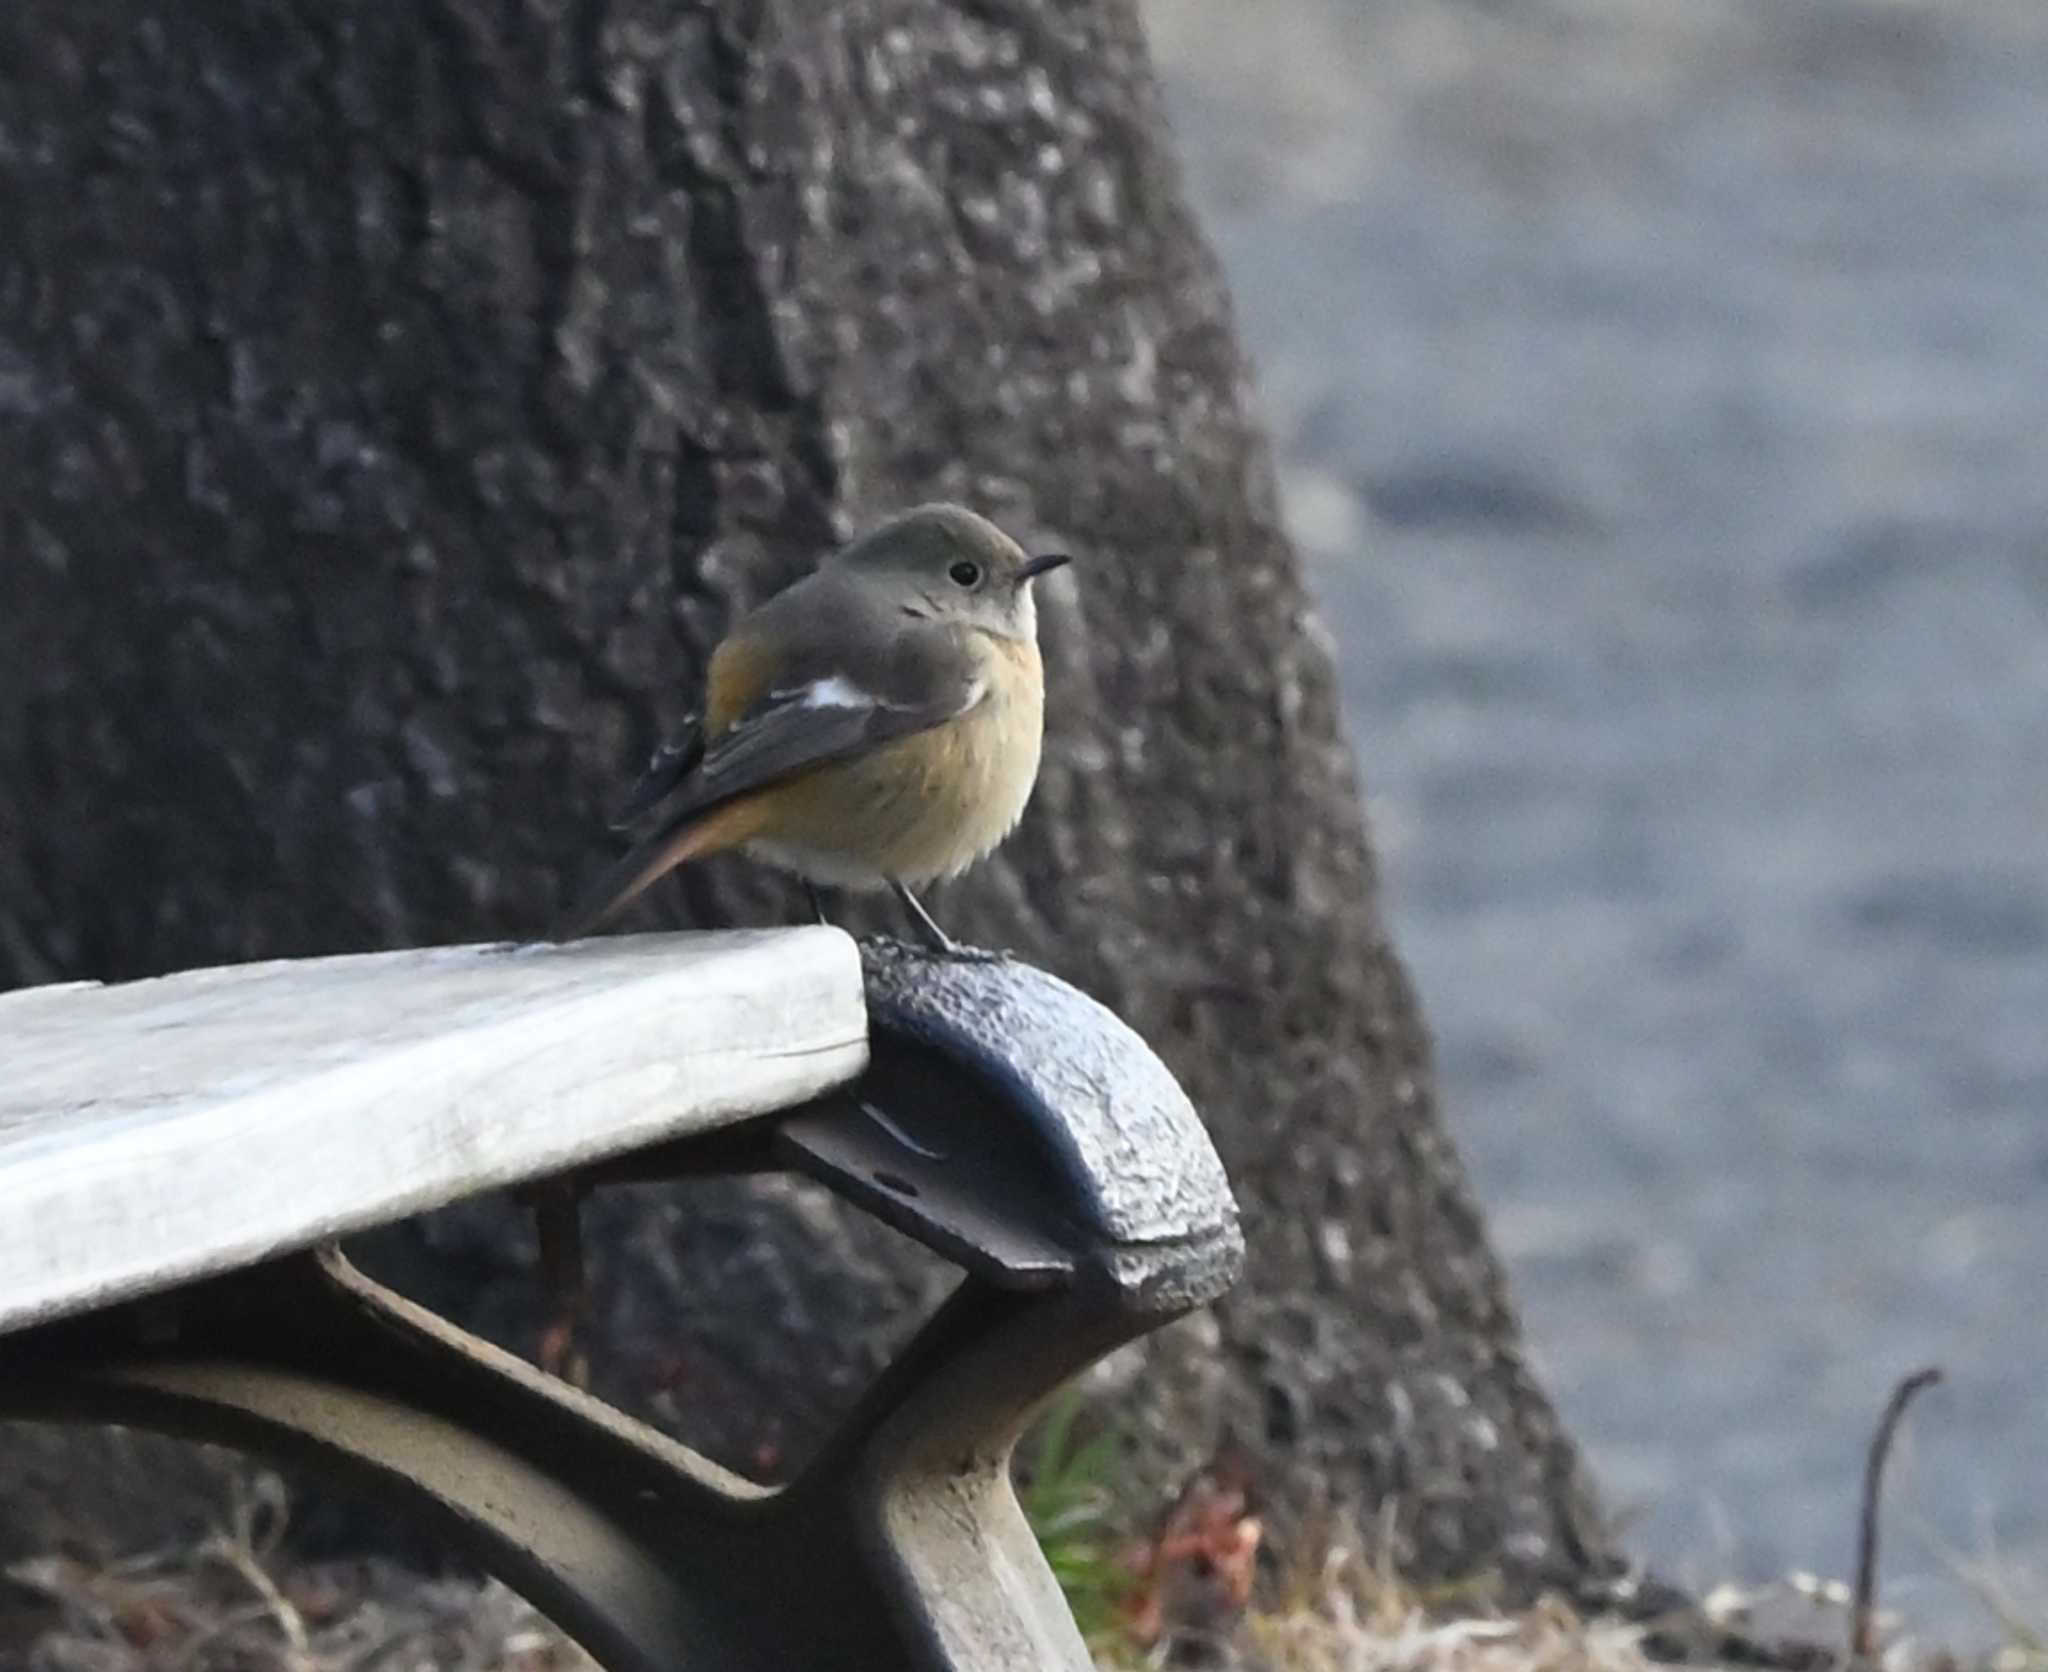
[(940, 941), (817, 904), (558, 1218)]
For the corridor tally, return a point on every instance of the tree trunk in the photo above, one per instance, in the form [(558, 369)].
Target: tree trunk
[(395, 401)]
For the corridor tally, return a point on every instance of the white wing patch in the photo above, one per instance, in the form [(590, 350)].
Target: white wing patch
[(836, 691)]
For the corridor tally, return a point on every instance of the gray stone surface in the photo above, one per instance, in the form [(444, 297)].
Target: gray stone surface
[(1662, 393)]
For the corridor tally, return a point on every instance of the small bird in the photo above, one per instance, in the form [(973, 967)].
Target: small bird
[(876, 724)]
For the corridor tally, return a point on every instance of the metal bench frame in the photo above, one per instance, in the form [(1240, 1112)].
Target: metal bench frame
[(1005, 1120)]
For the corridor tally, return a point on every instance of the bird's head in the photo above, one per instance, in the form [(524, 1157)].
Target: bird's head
[(945, 563)]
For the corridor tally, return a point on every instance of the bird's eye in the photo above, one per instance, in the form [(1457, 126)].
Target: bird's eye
[(965, 573)]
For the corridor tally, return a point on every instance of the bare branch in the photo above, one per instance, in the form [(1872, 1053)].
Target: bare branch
[(1862, 1626)]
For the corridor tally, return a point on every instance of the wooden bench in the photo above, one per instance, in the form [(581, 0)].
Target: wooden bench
[(177, 1156)]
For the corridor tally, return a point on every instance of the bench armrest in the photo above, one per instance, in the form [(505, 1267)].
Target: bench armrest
[(1004, 1119)]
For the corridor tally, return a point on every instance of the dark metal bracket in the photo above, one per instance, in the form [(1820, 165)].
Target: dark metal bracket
[(1007, 1121)]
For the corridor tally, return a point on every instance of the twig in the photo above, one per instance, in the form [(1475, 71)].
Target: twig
[(1862, 1621), (273, 1604)]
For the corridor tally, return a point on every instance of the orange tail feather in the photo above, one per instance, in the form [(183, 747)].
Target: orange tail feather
[(721, 828)]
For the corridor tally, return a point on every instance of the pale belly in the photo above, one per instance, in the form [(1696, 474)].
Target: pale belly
[(923, 808)]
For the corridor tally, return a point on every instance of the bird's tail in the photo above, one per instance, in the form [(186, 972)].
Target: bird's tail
[(690, 837)]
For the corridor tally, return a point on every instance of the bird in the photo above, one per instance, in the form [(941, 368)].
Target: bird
[(876, 724)]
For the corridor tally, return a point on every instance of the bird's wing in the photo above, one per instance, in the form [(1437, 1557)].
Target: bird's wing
[(666, 769), (832, 717), (926, 677)]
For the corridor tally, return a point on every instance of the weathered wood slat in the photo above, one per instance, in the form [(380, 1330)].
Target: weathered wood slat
[(161, 1130)]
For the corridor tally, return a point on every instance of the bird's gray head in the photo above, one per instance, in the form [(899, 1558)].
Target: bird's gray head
[(945, 563)]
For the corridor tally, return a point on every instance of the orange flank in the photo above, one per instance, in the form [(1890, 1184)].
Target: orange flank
[(735, 681)]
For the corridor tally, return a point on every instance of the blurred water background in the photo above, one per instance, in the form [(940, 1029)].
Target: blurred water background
[(1661, 392)]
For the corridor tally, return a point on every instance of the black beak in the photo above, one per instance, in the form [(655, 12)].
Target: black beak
[(1042, 566)]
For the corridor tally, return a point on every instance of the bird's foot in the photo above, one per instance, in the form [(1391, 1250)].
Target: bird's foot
[(953, 952), (959, 954), (817, 904), (937, 942)]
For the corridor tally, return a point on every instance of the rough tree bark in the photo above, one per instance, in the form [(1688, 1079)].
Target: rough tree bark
[(396, 400)]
